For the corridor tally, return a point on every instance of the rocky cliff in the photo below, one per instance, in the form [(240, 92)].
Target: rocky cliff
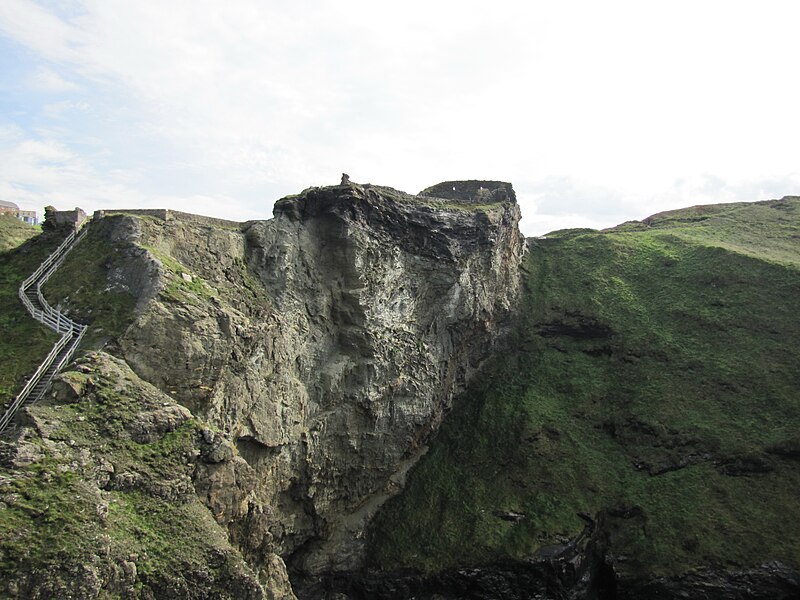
[(650, 387), (325, 344), (106, 489), (621, 406)]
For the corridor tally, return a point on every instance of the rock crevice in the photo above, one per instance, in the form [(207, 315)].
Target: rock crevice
[(367, 311)]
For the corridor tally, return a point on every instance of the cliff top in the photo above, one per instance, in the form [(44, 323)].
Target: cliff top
[(472, 191), (767, 230), (453, 195)]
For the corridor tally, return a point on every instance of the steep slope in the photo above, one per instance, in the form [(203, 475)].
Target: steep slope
[(105, 493), (653, 387), (325, 344), (365, 311), (14, 232), (24, 342), (631, 432)]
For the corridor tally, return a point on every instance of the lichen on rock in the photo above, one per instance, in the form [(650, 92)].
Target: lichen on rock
[(327, 343), (106, 491)]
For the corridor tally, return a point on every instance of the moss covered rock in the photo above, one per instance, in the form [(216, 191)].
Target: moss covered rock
[(108, 490)]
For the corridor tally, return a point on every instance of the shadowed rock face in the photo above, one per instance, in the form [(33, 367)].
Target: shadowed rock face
[(328, 346), (770, 581)]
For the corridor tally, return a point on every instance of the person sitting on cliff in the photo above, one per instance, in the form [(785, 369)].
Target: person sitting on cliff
[(345, 179)]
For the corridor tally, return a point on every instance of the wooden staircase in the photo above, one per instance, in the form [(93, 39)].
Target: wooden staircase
[(30, 293)]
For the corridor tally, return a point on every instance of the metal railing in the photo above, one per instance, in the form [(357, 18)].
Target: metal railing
[(33, 381), (65, 347), (47, 315)]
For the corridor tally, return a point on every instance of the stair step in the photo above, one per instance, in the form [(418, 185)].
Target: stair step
[(31, 293)]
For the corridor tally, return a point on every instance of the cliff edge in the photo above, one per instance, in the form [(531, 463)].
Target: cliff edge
[(325, 344)]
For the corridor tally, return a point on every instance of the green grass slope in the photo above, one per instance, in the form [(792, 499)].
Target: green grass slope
[(14, 232), (80, 284), (23, 341), (83, 287), (653, 378)]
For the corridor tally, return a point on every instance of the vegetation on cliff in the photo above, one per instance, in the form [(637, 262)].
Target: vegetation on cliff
[(105, 487), (268, 333), (98, 497), (14, 232), (653, 382), (24, 342), (650, 382)]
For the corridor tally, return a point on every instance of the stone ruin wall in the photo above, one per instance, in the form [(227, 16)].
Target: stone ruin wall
[(54, 219)]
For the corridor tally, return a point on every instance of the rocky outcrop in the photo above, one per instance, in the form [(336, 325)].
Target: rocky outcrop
[(574, 570), (326, 344), (105, 492), (770, 581)]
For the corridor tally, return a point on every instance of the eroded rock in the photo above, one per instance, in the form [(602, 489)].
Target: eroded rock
[(327, 344)]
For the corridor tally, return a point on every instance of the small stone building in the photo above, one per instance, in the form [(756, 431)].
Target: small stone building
[(56, 219), (474, 191)]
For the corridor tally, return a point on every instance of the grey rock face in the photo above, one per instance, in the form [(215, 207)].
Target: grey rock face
[(109, 465), (327, 343)]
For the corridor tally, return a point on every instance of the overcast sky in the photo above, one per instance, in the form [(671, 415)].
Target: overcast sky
[(597, 112)]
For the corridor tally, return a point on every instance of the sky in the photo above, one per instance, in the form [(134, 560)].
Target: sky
[(597, 112)]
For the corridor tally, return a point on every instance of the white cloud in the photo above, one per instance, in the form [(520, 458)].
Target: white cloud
[(39, 30), (36, 173), (707, 188), (59, 110), (590, 109), (47, 80)]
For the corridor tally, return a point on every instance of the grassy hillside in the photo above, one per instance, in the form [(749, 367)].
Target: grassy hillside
[(23, 342), (653, 377), (84, 289), (14, 232)]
